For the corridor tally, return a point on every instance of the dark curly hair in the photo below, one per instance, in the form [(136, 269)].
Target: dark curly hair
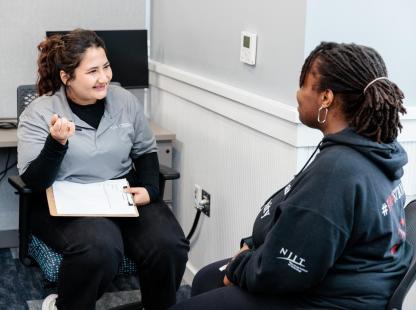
[(347, 69), (63, 52)]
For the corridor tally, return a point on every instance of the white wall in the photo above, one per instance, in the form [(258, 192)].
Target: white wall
[(388, 26), (238, 165), (23, 25)]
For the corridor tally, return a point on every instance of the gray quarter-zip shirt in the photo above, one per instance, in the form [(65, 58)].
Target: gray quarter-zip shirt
[(93, 155)]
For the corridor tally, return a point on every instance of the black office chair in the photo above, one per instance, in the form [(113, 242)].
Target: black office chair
[(33, 250), (396, 300)]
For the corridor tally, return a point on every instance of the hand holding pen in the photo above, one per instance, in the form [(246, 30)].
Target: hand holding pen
[(140, 195), (61, 129)]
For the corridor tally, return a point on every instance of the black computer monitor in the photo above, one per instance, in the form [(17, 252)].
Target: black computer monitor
[(127, 53)]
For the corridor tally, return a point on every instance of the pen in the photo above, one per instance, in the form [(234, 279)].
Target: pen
[(129, 197)]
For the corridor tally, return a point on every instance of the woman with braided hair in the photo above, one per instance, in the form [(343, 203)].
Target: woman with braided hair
[(335, 236)]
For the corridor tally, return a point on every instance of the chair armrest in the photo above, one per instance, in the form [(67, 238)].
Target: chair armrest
[(167, 173), (17, 182)]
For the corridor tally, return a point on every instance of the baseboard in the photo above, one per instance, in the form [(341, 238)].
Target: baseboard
[(190, 272), (9, 238)]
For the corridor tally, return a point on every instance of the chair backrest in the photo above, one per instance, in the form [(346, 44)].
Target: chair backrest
[(396, 300), (25, 95)]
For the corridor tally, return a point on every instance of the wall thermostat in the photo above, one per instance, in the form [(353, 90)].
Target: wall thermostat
[(248, 47)]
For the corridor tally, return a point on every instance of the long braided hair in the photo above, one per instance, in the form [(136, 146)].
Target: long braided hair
[(347, 69), (63, 52)]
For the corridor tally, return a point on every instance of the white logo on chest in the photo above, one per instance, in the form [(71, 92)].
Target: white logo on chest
[(287, 189), (122, 125), (266, 209)]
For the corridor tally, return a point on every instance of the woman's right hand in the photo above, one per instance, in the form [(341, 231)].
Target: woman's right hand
[(61, 129)]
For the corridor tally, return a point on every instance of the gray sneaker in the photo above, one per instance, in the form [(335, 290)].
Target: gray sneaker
[(49, 302)]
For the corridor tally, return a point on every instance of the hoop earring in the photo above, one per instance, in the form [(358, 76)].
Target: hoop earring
[(321, 121)]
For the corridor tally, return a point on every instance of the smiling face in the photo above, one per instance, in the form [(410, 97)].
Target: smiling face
[(91, 77)]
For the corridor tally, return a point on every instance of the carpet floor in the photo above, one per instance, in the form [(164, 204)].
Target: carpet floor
[(22, 287)]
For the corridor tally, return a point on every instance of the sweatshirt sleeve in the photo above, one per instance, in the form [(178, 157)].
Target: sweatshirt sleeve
[(248, 241), (41, 172), (147, 170), (39, 156), (296, 254)]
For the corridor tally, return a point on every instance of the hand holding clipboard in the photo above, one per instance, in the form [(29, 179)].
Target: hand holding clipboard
[(140, 195), (108, 198)]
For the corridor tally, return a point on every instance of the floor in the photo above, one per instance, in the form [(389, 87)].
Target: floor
[(22, 287)]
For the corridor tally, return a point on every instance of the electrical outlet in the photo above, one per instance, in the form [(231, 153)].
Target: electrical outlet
[(206, 203), (202, 200), (197, 195)]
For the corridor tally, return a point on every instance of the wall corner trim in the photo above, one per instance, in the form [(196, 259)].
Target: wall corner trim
[(249, 99), (265, 115)]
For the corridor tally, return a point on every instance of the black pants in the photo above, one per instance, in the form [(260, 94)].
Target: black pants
[(209, 292), (93, 248)]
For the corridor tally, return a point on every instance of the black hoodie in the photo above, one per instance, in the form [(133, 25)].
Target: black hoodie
[(335, 235)]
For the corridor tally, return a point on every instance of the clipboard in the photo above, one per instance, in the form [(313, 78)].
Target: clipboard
[(100, 199)]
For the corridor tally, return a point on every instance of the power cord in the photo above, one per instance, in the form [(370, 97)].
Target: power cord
[(194, 225), (202, 205)]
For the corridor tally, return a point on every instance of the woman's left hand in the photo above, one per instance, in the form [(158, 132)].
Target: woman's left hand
[(226, 281), (140, 195)]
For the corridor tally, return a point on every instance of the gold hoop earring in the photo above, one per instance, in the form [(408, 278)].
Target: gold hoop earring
[(321, 121)]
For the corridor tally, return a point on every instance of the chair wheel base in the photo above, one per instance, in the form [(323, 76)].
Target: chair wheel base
[(26, 261)]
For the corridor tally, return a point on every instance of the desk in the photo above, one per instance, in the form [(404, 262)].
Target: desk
[(8, 137)]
